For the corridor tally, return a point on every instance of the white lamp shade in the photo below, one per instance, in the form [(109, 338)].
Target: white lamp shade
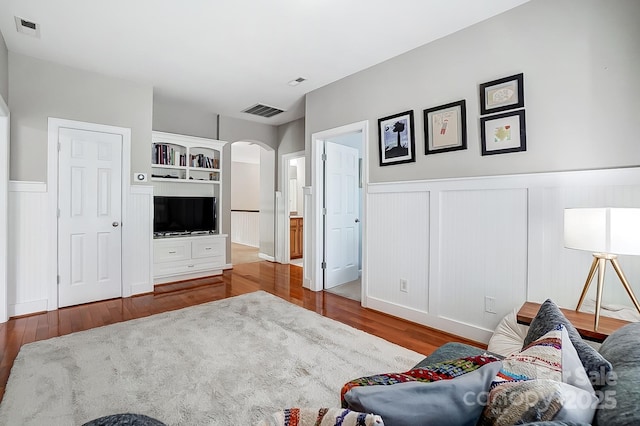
[(603, 230)]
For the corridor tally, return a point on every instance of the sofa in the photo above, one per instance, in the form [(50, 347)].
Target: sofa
[(423, 396)]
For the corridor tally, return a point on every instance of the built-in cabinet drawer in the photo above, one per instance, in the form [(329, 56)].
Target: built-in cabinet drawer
[(207, 248), (186, 257), (170, 250)]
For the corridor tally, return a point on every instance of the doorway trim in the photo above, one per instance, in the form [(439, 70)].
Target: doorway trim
[(54, 126), (285, 250), (5, 123), (315, 232)]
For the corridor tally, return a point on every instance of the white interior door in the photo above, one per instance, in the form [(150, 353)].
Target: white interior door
[(342, 223), (90, 208)]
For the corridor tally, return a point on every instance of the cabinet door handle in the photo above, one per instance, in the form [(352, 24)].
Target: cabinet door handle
[(190, 266), (207, 248), (172, 252)]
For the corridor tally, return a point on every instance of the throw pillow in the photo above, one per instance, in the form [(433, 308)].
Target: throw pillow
[(458, 401), (530, 385), (440, 371), (321, 417), (548, 318), (508, 336)]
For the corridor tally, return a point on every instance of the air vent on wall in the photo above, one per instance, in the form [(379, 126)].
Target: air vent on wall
[(27, 27), (263, 110)]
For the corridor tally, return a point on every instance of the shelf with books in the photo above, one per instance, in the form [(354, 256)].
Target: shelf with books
[(186, 159)]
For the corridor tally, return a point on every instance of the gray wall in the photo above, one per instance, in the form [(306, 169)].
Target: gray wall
[(4, 70), (580, 60), (290, 139), (40, 89), (173, 116), (245, 186)]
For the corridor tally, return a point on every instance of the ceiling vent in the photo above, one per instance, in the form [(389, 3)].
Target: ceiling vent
[(297, 81), (263, 110), (27, 27)]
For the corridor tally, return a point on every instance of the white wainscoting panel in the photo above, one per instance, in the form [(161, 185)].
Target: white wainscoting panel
[(398, 248), (245, 228), (137, 247), (483, 253), (27, 290), (462, 240), (561, 272)]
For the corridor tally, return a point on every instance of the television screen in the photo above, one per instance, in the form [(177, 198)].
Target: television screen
[(184, 214)]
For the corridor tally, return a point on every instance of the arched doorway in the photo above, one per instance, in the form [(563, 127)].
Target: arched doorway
[(251, 201)]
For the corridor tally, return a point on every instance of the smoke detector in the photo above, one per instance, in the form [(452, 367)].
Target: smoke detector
[(29, 28)]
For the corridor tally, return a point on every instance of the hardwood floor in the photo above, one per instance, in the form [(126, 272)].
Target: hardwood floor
[(282, 280)]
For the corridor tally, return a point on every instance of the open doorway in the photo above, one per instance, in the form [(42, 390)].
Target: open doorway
[(292, 183), (338, 181), (245, 202)]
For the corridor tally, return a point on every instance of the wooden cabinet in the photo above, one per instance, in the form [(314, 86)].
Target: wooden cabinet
[(295, 243), (181, 258)]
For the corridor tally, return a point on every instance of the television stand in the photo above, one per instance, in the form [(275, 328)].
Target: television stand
[(184, 257)]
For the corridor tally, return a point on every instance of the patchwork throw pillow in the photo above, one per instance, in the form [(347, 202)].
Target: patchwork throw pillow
[(545, 381), (440, 371), (321, 417), (547, 319)]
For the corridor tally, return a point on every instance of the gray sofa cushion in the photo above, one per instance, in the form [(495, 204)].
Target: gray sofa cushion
[(621, 393), (548, 318), (453, 350)]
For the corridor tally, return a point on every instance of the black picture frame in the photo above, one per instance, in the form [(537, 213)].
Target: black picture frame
[(445, 128), (396, 139), (503, 133), (502, 94)]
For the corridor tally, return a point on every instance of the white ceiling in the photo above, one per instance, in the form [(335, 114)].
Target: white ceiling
[(227, 55)]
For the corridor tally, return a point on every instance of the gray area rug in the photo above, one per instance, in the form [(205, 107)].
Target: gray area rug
[(229, 362)]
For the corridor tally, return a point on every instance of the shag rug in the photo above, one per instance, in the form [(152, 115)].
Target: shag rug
[(229, 362)]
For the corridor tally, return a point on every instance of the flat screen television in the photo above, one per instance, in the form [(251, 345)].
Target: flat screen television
[(184, 214)]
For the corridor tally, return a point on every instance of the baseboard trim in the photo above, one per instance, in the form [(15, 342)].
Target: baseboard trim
[(447, 325), (141, 288), (27, 308), (266, 257)]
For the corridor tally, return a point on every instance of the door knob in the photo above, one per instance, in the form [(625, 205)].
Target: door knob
[(115, 224), (357, 220)]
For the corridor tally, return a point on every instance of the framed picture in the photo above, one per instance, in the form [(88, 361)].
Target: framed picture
[(503, 133), (397, 141), (445, 128), (502, 94)]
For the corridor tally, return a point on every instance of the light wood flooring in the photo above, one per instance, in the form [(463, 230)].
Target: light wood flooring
[(284, 281)]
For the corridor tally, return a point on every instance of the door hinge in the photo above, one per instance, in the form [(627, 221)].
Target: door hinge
[(58, 279), (324, 157), (58, 212), (323, 265), (59, 146), (324, 211)]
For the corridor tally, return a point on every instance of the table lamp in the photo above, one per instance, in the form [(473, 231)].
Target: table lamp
[(606, 232)]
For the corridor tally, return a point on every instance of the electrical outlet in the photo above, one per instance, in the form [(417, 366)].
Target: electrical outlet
[(490, 304), (403, 285)]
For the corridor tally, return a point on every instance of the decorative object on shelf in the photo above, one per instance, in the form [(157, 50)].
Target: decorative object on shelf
[(396, 138), (445, 128), (606, 232), (502, 133), (502, 94)]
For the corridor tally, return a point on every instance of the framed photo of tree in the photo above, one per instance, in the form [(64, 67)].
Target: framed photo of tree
[(396, 138)]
